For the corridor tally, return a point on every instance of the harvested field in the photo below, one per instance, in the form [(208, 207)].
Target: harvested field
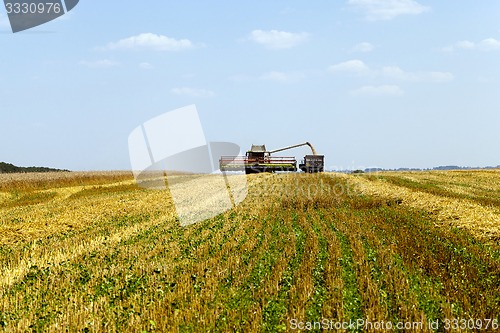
[(37, 181), (462, 199), (97, 253)]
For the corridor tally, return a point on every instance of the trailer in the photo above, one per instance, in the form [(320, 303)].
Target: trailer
[(313, 163)]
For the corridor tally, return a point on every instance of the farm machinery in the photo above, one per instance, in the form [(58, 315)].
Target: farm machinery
[(259, 159)]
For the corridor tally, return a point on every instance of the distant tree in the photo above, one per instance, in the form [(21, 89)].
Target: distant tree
[(11, 168)]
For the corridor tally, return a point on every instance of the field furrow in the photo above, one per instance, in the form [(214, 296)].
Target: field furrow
[(301, 252)]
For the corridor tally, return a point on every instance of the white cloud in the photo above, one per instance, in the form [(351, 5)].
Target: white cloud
[(383, 90), (488, 44), (281, 77), (440, 76), (191, 92), (376, 10), (275, 39), (105, 63), (363, 47), (396, 73), (358, 67), (150, 41), (146, 65), (466, 45), (351, 66)]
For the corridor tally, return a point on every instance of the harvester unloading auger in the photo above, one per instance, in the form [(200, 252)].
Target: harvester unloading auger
[(258, 159)]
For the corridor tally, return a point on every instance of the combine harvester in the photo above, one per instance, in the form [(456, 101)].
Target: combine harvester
[(258, 159)]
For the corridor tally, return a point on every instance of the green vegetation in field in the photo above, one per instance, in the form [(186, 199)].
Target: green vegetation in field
[(318, 249)]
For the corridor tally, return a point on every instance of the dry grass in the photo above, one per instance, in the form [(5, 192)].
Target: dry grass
[(23, 182), (112, 257), (480, 218)]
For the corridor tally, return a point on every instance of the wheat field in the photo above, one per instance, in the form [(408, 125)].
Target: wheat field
[(94, 252)]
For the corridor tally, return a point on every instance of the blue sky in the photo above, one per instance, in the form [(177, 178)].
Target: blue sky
[(371, 83)]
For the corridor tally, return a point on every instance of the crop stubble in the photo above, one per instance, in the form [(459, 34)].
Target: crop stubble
[(111, 257)]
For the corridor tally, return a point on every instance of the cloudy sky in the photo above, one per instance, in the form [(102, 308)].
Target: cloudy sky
[(371, 83)]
